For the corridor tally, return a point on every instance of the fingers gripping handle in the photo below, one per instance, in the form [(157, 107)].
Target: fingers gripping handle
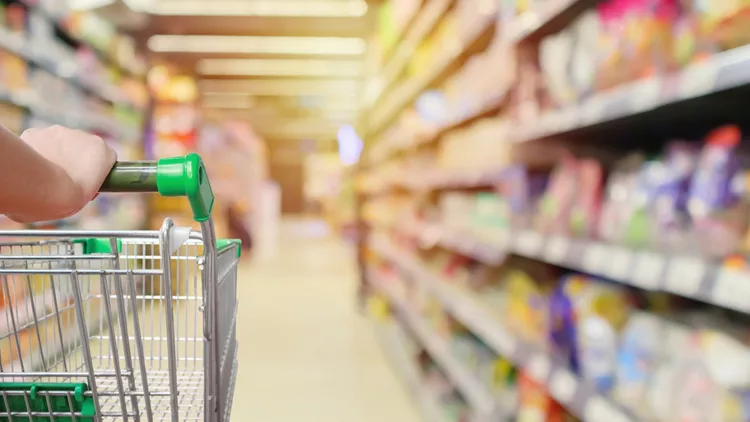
[(176, 176)]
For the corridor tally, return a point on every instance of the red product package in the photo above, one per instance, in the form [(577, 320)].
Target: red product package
[(536, 404), (558, 200), (584, 215)]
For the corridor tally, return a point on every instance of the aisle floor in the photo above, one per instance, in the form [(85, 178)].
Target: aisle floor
[(306, 352)]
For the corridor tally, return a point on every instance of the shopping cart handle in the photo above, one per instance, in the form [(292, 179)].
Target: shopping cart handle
[(176, 176)]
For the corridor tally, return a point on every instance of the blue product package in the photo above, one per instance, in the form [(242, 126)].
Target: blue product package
[(562, 327)]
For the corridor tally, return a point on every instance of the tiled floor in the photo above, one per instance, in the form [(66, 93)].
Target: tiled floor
[(306, 354)]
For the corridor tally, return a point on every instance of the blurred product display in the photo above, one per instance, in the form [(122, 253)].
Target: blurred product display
[(556, 196), (58, 66)]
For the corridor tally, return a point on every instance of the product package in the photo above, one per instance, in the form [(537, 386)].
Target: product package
[(619, 199), (558, 201), (641, 354), (718, 216), (584, 214), (601, 311)]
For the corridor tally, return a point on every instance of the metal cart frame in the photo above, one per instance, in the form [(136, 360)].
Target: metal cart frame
[(121, 325)]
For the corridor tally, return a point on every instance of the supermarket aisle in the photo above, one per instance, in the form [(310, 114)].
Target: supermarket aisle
[(306, 354)]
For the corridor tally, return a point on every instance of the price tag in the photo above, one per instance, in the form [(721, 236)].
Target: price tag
[(649, 269), (592, 110), (539, 367), (563, 386), (620, 260), (529, 243), (484, 324), (645, 94), (557, 249), (698, 79), (556, 121), (684, 275), (732, 289), (597, 409), (593, 258)]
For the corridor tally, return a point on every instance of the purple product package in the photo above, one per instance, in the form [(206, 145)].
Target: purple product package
[(711, 198), (669, 204), (521, 190)]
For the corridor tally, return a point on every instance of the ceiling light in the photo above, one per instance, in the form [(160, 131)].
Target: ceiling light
[(228, 101), (264, 67), (256, 44), (88, 4), (266, 8), (280, 87)]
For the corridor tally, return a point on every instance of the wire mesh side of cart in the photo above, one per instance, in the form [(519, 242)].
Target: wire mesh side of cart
[(95, 331)]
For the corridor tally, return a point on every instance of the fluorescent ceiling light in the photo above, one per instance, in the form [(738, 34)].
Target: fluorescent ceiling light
[(266, 8), (88, 4), (249, 44), (280, 87), (263, 67), (228, 101)]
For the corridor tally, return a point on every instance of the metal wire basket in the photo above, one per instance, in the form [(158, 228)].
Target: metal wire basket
[(121, 325)]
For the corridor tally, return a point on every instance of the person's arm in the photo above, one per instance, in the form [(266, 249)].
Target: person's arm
[(50, 173)]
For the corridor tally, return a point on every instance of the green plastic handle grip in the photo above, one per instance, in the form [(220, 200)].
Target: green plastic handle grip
[(175, 176)]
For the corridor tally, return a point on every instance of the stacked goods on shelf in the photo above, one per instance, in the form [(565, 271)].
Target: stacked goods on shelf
[(649, 356), (393, 18), (573, 202)]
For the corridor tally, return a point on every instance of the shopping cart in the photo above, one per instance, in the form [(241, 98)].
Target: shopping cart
[(121, 325)]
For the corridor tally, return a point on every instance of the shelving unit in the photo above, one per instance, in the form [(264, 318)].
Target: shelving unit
[(391, 342), (34, 50), (481, 401), (418, 127), (544, 367)]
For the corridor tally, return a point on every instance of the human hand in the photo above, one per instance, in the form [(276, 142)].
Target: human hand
[(81, 161)]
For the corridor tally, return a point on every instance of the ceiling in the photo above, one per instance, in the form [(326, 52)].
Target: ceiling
[(291, 77)]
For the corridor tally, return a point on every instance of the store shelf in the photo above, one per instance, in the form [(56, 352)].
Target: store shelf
[(548, 18), (683, 274), (423, 24), (34, 54), (531, 24), (61, 25), (485, 407), (575, 394), (723, 71), (395, 101), (391, 343), (490, 253), (34, 103)]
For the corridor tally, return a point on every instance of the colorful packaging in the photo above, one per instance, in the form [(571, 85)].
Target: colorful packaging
[(672, 194), (640, 226), (520, 190), (718, 221), (557, 203), (611, 65), (583, 65), (724, 23), (585, 208), (536, 405), (641, 353), (527, 303), (601, 312), (619, 199), (555, 54), (562, 321)]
